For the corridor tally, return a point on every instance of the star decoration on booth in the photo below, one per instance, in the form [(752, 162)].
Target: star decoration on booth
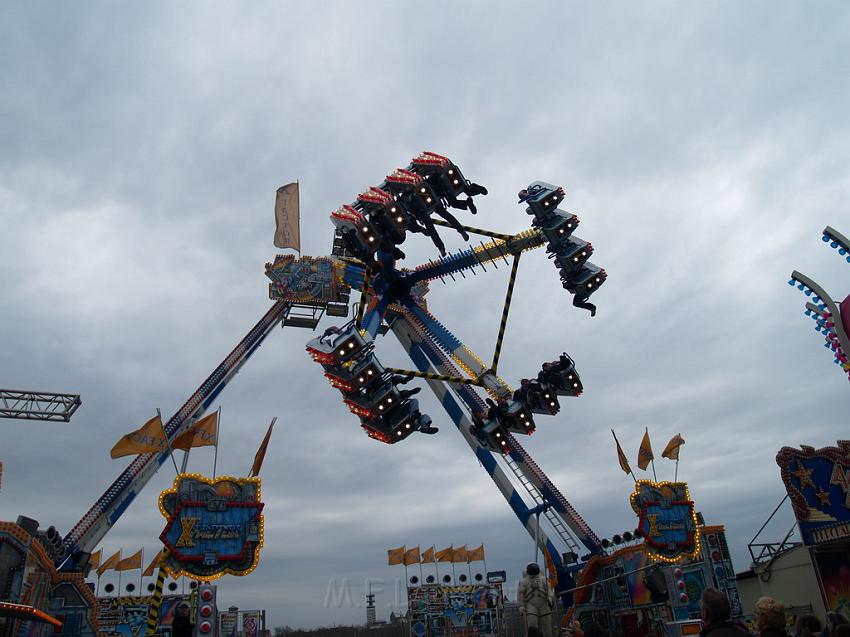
[(804, 475), (823, 496)]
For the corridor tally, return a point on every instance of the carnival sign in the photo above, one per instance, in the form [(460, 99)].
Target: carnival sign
[(818, 484), (666, 519), (213, 526), (306, 279)]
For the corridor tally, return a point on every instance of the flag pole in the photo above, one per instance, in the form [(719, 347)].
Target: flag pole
[(631, 473), (167, 441), (298, 188), (676, 476), (437, 565), (142, 564), (654, 476), (217, 425)]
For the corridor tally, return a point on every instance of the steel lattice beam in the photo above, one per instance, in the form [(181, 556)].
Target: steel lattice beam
[(38, 405)]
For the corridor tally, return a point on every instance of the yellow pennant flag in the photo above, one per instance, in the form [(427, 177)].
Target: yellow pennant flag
[(261, 452), (203, 433), (155, 562), (671, 451), (109, 563), (395, 556), (149, 438), (428, 556), (94, 559), (445, 555), (287, 217), (621, 457), (459, 554), (411, 556), (475, 555), (130, 563), (645, 452)]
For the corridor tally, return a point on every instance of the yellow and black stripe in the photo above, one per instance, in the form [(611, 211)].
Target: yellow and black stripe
[(505, 311), (429, 376), (471, 230), (156, 600)]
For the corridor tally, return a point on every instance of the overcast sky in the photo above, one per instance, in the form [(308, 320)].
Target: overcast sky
[(704, 146)]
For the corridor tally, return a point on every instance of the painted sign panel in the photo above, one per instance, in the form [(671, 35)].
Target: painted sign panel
[(213, 527), (818, 484), (456, 611), (666, 519), (128, 616), (306, 279)]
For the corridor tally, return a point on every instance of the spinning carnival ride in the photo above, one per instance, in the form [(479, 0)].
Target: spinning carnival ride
[(392, 299), (831, 318)]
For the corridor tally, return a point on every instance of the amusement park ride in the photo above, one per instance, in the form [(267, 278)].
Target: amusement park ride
[(364, 258), (488, 413), (831, 318)]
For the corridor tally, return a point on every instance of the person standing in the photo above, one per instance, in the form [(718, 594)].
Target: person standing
[(770, 617), (536, 600), (182, 625), (716, 614)]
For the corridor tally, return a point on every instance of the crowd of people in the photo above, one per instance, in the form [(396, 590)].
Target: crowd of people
[(536, 602)]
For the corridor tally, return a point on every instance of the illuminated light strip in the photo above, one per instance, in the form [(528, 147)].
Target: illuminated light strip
[(27, 613)]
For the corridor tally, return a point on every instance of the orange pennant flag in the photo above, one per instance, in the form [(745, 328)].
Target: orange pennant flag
[(671, 451), (645, 452), (149, 438), (411, 556), (204, 433), (109, 564), (130, 563), (395, 556), (459, 554), (621, 457), (475, 555), (155, 562), (428, 556), (94, 559), (445, 555), (261, 452)]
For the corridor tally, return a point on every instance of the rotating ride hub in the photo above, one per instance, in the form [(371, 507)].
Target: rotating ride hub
[(369, 233)]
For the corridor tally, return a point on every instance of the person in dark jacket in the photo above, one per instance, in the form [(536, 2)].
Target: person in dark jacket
[(716, 613), (182, 625), (808, 626)]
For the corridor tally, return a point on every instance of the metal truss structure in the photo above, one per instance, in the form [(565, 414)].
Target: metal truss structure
[(392, 299), (38, 405), (831, 318)]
